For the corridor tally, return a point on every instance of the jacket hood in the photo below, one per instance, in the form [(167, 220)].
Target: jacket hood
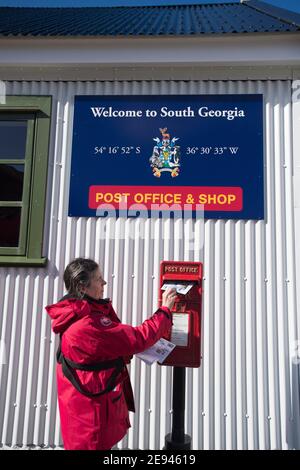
[(68, 310)]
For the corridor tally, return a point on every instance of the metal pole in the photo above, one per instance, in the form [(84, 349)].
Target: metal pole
[(177, 439)]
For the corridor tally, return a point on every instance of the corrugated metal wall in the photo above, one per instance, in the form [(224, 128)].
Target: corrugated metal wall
[(244, 394)]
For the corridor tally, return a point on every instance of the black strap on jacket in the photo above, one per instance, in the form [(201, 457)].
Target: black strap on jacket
[(68, 367)]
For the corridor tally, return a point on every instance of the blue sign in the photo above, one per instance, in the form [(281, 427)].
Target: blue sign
[(178, 152)]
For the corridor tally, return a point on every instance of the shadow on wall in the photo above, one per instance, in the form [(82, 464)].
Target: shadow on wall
[(293, 425)]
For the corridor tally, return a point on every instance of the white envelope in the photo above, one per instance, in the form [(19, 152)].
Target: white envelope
[(158, 352), (180, 288)]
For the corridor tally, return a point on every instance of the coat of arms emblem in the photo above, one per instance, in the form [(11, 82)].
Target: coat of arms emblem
[(165, 155)]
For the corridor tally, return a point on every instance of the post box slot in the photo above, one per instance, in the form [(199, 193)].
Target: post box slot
[(180, 278)]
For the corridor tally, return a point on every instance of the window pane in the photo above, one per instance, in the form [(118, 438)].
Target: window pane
[(9, 226), (13, 139), (11, 182)]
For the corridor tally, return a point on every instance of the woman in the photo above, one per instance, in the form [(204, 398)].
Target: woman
[(94, 390)]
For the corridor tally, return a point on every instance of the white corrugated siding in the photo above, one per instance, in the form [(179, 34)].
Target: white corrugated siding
[(243, 395)]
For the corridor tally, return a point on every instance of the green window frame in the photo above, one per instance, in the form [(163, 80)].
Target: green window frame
[(36, 112)]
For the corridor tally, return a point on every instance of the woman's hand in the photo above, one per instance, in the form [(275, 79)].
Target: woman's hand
[(168, 298)]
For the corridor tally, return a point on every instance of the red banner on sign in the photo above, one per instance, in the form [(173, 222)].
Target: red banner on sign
[(214, 198)]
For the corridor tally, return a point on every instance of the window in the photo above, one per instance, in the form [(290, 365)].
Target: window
[(24, 140)]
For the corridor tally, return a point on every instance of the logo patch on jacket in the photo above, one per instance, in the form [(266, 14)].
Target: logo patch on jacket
[(105, 321)]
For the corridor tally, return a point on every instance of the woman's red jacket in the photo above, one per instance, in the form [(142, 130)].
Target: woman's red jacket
[(92, 333)]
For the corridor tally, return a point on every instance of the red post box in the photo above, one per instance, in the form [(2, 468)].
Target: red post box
[(186, 313)]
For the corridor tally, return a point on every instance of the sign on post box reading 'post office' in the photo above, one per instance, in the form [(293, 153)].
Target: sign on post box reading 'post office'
[(154, 154)]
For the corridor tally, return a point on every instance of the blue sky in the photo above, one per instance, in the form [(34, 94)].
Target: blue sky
[(289, 4)]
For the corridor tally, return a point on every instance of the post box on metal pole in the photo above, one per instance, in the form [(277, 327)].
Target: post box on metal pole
[(185, 334)]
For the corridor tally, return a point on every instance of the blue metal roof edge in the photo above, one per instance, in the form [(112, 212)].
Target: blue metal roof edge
[(289, 22), (84, 7), (281, 14)]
